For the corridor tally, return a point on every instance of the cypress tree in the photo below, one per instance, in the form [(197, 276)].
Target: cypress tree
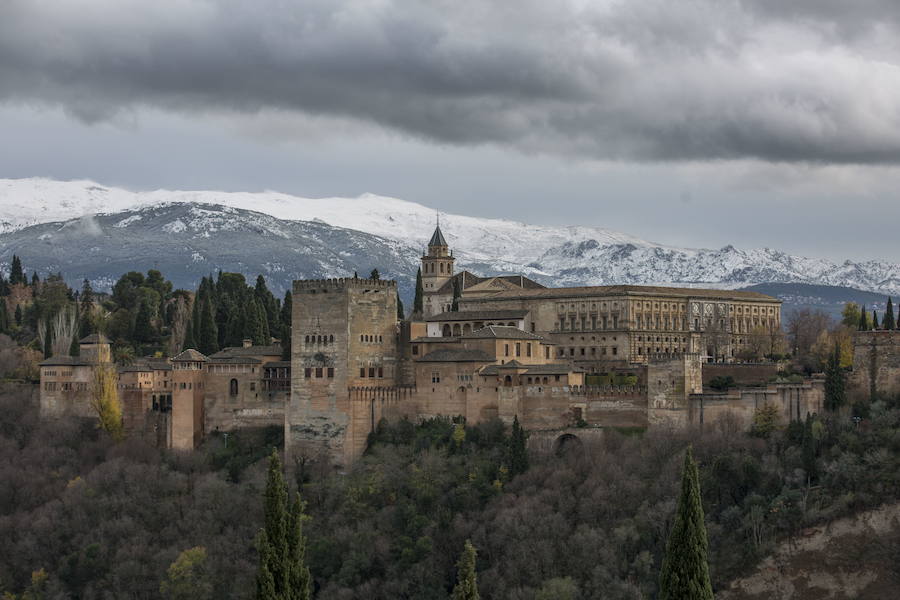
[(274, 554), (456, 294), (209, 334), (874, 320), (401, 314), (420, 292), (685, 570), (888, 322), (287, 306), (299, 578), (809, 450), (4, 318), (863, 319), (518, 451), (466, 587), (265, 582), (834, 381), (16, 274), (85, 322), (18, 314), (35, 280)]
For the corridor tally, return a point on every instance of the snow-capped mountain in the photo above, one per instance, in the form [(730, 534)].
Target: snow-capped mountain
[(553, 255)]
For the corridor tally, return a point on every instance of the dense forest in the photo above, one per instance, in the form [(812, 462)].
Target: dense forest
[(85, 517)]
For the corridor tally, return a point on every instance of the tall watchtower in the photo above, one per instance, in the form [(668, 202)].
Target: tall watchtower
[(437, 269), (344, 335)]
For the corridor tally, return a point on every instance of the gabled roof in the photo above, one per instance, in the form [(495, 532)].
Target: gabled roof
[(190, 355), (501, 332), (456, 356), (468, 280), (479, 315), (94, 338), (437, 238)]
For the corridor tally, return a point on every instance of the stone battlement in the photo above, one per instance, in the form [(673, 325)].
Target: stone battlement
[(312, 285)]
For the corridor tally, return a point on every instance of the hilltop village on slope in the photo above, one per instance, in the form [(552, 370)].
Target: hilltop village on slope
[(564, 361)]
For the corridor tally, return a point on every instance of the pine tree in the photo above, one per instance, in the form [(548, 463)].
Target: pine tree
[(874, 320), (16, 274), (375, 275), (863, 320), (888, 322), (35, 280), (685, 570), (518, 450), (420, 293), (401, 314), (835, 395), (86, 308), (466, 587)]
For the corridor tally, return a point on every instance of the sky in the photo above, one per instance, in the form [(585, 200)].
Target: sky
[(688, 122)]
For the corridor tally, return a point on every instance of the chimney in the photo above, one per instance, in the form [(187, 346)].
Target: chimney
[(247, 342)]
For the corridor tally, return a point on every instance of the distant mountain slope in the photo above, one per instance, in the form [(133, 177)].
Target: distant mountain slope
[(552, 255), (187, 241)]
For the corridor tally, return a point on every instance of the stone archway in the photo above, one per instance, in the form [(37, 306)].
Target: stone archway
[(567, 443), (446, 331)]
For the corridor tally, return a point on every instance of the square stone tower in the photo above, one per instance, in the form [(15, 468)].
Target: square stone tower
[(344, 335)]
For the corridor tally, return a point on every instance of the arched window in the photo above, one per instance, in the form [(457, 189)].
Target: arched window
[(456, 330), (331, 339), (446, 331), (233, 387), (442, 267), (507, 381)]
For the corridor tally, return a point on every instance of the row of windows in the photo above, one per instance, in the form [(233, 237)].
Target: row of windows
[(429, 268), (372, 372), (659, 339), (52, 373), (162, 402), (220, 369), (613, 350), (583, 324), (318, 339), (561, 308), (65, 386), (189, 385), (519, 349), (662, 350), (371, 339), (318, 372)]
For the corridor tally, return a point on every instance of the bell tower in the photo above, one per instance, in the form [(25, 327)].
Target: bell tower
[(437, 269)]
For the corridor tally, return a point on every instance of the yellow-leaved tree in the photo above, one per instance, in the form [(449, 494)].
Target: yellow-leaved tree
[(105, 399)]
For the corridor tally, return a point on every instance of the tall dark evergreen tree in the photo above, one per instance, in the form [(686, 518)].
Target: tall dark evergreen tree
[(420, 292), (518, 449), (270, 305), (809, 450), (835, 394), (466, 587), (4, 318), (401, 314), (283, 573), (18, 314), (35, 280), (16, 274), (685, 567), (209, 335), (287, 306), (375, 275), (863, 319), (888, 322), (874, 320), (86, 310), (456, 295)]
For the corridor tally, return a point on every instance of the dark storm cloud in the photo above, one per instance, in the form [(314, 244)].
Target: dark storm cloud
[(632, 80)]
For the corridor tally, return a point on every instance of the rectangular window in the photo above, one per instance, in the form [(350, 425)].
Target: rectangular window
[(372, 372), (252, 386), (505, 349), (307, 372), (615, 350), (415, 349), (318, 372), (380, 372), (528, 349), (435, 377), (330, 372), (362, 371), (518, 349)]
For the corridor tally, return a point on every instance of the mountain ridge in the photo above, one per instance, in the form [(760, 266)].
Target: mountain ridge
[(556, 256)]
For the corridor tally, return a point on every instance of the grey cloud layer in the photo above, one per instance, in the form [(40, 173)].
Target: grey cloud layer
[(634, 80)]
